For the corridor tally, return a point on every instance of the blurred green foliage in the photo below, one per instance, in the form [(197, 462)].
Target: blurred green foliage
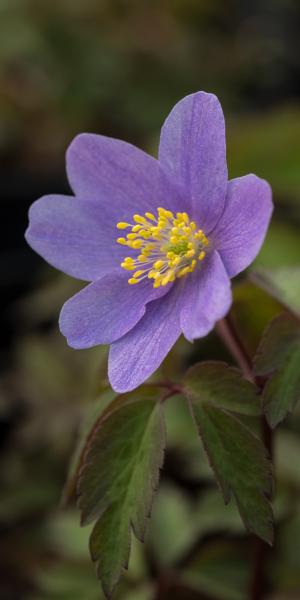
[(117, 67)]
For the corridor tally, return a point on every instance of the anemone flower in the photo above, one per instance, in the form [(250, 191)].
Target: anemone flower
[(158, 240)]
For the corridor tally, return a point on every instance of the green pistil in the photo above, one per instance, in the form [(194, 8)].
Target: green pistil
[(179, 248)]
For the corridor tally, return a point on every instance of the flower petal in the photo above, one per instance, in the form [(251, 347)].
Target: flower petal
[(207, 298), (241, 230), (73, 237), (193, 151), (121, 178), (134, 357), (105, 310)]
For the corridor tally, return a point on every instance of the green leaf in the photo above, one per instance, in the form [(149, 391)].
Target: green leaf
[(278, 354), (283, 284), (237, 457), (95, 409), (119, 476), (224, 387)]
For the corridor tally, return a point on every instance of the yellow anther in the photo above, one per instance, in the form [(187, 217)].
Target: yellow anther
[(161, 224), (139, 219), (137, 274), (183, 272), (190, 253), (145, 234), (122, 241), (168, 246), (136, 244), (123, 225), (158, 264), (156, 235), (157, 282), (153, 274), (127, 266), (167, 278)]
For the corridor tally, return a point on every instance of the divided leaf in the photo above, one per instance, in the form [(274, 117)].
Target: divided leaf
[(278, 355), (217, 393), (225, 387), (93, 411), (119, 475)]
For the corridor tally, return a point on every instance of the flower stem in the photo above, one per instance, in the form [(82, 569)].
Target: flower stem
[(230, 337), (228, 333)]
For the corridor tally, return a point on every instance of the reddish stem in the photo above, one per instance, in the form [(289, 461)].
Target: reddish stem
[(233, 342)]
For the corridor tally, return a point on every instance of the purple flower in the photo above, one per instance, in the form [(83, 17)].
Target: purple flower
[(184, 230)]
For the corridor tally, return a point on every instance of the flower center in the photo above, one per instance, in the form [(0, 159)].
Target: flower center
[(169, 246)]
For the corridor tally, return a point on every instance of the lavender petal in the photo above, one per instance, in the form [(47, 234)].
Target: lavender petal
[(207, 298), (241, 231), (193, 151)]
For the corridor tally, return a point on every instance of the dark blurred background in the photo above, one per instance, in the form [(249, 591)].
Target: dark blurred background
[(117, 67)]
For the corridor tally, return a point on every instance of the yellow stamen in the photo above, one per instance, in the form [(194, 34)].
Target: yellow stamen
[(139, 219), (128, 266), (137, 274), (123, 225), (150, 216), (158, 264), (122, 241), (136, 244), (170, 246), (157, 282)]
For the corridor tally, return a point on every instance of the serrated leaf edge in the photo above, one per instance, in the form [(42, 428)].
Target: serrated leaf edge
[(226, 490), (270, 373), (154, 485), (227, 367)]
